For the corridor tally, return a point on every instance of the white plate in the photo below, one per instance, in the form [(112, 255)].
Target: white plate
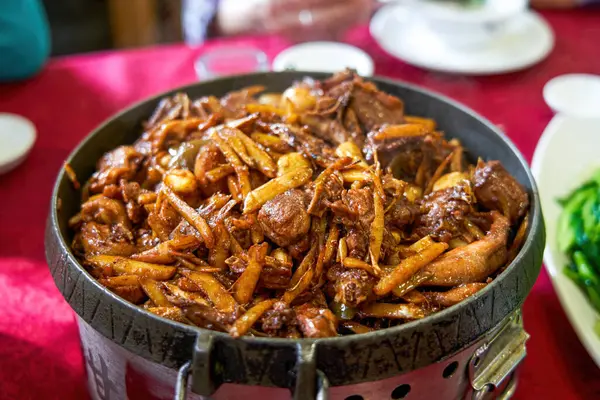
[(567, 155), (324, 57), (523, 42)]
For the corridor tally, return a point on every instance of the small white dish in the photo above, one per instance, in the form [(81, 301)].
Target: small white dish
[(17, 136), (576, 95), (522, 42), (324, 57), (565, 157)]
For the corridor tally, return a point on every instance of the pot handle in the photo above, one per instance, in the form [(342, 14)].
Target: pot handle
[(310, 383), (201, 367)]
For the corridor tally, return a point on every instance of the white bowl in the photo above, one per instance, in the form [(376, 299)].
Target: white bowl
[(490, 12), (566, 156), (324, 57), (468, 27), (576, 95), (17, 137)]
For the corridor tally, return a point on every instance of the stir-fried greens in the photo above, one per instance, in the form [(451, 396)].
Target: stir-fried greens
[(318, 211), (579, 237)]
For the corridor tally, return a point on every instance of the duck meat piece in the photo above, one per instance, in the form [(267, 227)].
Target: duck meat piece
[(330, 130), (375, 108), (402, 214), (357, 241), (303, 141), (346, 76), (443, 213), (403, 155), (474, 262), (355, 207), (120, 163), (497, 190), (108, 240), (234, 102), (284, 219), (315, 321), (277, 318), (354, 286)]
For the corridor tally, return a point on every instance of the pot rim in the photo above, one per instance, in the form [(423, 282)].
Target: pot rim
[(536, 219)]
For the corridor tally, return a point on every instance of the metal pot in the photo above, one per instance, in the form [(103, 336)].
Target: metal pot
[(465, 350)]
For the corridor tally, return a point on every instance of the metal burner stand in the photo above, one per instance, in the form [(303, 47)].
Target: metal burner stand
[(486, 370)]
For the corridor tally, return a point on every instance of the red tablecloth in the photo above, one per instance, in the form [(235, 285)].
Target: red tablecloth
[(40, 355)]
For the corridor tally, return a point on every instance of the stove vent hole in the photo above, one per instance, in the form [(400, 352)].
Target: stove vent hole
[(401, 392), (355, 397), (450, 370)]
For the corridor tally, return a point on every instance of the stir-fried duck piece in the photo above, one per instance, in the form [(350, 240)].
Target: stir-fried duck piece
[(402, 214), (444, 211), (355, 210), (403, 154), (315, 321), (278, 318), (497, 190), (374, 107), (474, 262), (105, 211), (454, 295), (121, 163), (112, 240), (284, 219), (345, 127), (330, 130), (354, 286)]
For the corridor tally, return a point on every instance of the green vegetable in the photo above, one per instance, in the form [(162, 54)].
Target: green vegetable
[(579, 238), (574, 276), (571, 216)]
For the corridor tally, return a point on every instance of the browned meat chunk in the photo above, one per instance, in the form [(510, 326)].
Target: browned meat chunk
[(105, 239), (208, 317), (474, 262), (443, 213), (284, 219), (344, 128), (497, 190), (304, 142), (374, 108), (355, 210), (277, 318), (357, 241), (330, 130), (276, 276), (355, 207), (316, 322), (121, 163), (354, 286), (402, 214)]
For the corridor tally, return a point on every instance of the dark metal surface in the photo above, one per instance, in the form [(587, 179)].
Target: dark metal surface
[(274, 362)]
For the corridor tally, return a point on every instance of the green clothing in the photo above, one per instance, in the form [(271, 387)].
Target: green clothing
[(24, 38)]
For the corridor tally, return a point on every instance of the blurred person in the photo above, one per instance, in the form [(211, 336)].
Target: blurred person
[(296, 19), (24, 39)]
